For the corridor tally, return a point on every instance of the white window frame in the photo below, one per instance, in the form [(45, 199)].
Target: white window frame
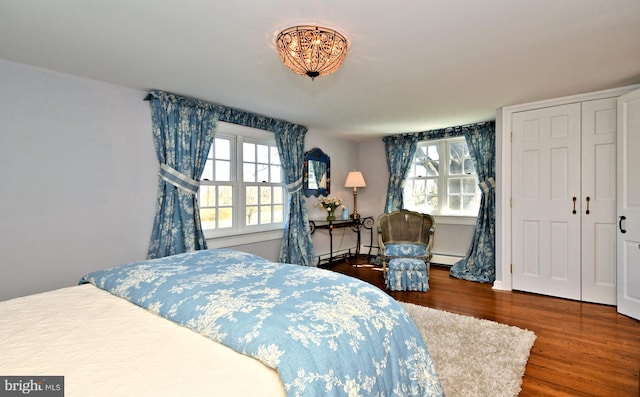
[(443, 213), (239, 233)]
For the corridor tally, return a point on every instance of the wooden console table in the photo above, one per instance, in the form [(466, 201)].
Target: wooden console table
[(356, 226)]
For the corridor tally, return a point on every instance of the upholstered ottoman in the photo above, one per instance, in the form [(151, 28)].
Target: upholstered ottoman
[(407, 274)]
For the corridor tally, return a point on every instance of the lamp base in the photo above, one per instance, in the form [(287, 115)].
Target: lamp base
[(354, 215)]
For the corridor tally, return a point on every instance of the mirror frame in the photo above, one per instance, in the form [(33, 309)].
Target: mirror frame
[(316, 154)]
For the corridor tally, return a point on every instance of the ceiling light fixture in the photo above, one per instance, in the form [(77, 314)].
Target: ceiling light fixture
[(312, 50)]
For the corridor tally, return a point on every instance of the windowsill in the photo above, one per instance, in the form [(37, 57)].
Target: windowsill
[(455, 220), (242, 239)]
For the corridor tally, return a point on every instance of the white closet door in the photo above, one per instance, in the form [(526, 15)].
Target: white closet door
[(629, 204), (545, 179), (599, 188)]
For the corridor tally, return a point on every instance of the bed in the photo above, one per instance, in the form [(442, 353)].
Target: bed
[(217, 323)]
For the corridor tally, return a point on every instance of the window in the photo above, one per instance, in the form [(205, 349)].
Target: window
[(242, 188), (442, 179)]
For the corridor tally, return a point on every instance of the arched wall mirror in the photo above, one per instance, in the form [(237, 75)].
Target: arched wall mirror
[(317, 180)]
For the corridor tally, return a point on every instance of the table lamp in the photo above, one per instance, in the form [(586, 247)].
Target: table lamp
[(355, 180)]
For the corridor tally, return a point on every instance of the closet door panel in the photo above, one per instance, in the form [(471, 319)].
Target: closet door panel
[(599, 200), (628, 235), (545, 178)]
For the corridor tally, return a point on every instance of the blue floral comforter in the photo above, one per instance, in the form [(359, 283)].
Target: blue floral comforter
[(325, 333)]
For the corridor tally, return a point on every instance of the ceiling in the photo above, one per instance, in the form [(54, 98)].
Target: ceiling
[(411, 66)]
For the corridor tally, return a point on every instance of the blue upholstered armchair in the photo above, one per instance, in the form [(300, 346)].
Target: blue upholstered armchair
[(405, 234)]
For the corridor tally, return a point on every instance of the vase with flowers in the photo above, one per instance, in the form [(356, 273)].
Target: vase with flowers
[(330, 204)]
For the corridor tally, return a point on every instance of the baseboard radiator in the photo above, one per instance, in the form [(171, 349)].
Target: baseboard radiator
[(445, 259), (442, 259)]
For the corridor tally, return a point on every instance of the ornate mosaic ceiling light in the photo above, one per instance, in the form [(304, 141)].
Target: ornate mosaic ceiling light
[(312, 50)]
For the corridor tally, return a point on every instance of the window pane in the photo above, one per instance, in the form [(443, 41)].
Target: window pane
[(263, 173), (223, 170), (252, 215), (421, 151), (432, 186), (456, 157), (225, 195), (454, 203), (208, 218), (226, 217), (278, 213), (207, 174), (265, 195), (433, 168), (265, 214), (432, 204), (223, 149), (469, 185), (248, 172), (252, 195), (420, 169), (263, 154), (275, 157), (275, 174), (207, 196), (249, 152), (433, 160), (470, 203), (468, 167), (455, 186), (278, 195), (413, 193)]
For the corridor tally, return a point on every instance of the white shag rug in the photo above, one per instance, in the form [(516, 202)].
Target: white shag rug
[(474, 357)]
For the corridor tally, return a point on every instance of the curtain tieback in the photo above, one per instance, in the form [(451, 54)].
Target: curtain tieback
[(179, 179), (295, 186), (487, 185)]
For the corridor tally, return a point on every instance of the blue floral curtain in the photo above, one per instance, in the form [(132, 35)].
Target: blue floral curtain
[(183, 133), (399, 150), (479, 263), (297, 246)]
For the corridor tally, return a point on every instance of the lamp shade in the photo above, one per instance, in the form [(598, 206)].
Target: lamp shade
[(355, 179)]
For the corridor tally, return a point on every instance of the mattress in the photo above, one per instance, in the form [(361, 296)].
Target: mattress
[(106, 346)]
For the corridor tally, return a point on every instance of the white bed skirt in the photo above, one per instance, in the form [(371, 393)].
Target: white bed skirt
[(106, 346)]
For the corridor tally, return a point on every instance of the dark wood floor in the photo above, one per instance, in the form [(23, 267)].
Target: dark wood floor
[(581, 349)]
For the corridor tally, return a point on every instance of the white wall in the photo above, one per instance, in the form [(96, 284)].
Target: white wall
[(78, 174), (79, 180)]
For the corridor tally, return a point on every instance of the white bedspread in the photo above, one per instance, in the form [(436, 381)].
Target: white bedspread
[(106, 346)]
